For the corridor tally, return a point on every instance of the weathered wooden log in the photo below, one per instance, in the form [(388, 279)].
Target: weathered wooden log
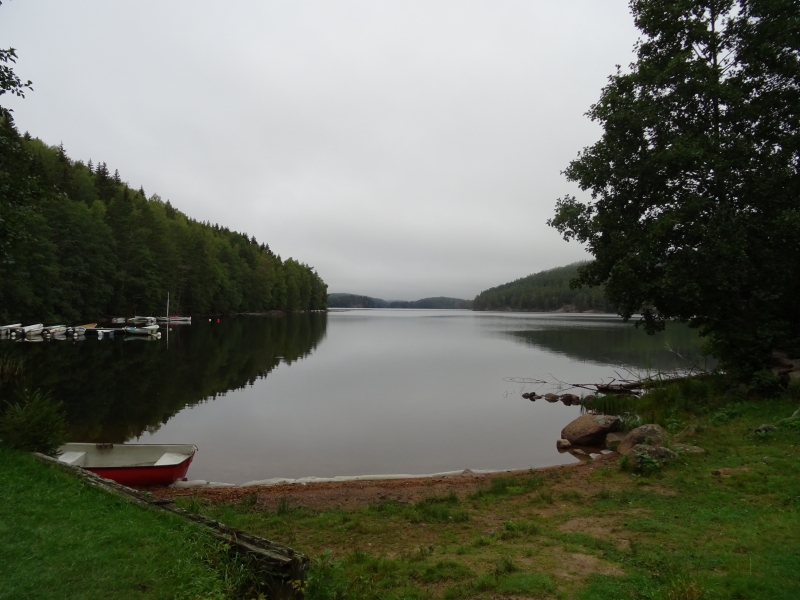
[(271, 560), (619, 388)]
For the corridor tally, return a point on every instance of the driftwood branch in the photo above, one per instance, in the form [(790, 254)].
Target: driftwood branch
[(625, 382), (271, 560)]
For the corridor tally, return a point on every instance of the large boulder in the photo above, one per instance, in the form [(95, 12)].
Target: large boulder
[(614, 439), (590, 430), (651, 434)]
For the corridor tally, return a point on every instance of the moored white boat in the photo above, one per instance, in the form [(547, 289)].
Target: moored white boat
[(148, 320), (175, 319), (51, 329), (28, 330), (132, 464), (145, 330), (7, 330), (80, 329)]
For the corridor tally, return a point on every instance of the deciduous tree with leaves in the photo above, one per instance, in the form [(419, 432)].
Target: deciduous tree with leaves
[(695, 189)]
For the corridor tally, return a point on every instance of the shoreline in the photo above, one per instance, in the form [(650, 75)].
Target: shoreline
[(360, 491)]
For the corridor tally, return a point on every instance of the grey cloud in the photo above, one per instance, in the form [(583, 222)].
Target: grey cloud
[(404, 149)]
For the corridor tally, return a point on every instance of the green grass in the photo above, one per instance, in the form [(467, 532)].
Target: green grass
[(680, 533), (62, 539)]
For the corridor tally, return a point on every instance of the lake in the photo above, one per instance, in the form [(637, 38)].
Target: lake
[(351, 392)]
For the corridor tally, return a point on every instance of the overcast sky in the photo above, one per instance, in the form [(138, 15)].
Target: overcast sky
[(404, 149)]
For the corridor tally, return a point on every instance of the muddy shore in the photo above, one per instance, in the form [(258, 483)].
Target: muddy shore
[(351, 495)]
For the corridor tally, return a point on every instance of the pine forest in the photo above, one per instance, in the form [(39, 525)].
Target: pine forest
[(544, 291), (76, 242)]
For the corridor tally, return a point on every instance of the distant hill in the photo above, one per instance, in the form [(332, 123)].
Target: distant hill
[(545, 291), (356, 301)]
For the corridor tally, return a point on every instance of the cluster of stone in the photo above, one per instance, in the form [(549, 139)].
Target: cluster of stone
[(604, 431), (566, 399)]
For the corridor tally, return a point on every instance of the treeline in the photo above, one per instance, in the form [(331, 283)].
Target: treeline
[(356, 301), (544, 291), (76, 242)]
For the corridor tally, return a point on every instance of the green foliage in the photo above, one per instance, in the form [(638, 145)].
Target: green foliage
[(544, 291), (726, 414), (36, 423), (114, 251), (446, 570), (10, 83), (766, 383), (515, 530), (504, 566), (527, 584), (326, 579), (284, 508), (510, 486), (644, 464), (694, 183), (437, 509)]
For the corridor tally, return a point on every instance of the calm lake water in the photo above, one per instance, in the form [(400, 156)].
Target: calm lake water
[(345, 393)]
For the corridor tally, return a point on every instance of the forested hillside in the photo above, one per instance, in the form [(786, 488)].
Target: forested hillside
[(356, 301), (544, 291), (76, 242)]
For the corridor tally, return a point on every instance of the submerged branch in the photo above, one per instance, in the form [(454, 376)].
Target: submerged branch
[(629, 382)]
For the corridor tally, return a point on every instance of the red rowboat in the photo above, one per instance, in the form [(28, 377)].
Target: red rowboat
[(132, 464)]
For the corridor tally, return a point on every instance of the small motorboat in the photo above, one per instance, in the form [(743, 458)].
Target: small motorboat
[(118, 319), (131, 464), (28, 330), (50, 330), (80, 329), (145, 330), (175, 319), (6, 329), (148, 320)]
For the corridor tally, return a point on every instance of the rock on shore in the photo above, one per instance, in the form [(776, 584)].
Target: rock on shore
[(589, 430)]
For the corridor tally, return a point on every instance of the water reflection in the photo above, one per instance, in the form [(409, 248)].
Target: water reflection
[(607, 340), (389, 391), (115, 391)]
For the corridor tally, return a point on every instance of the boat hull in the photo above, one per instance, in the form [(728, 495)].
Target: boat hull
[(131, 464), (144, 476), (148, 330)]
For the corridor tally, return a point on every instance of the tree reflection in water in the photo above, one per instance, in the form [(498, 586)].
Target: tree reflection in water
[(116, 390)]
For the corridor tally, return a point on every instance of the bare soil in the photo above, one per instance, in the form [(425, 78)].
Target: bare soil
[(350, 495)]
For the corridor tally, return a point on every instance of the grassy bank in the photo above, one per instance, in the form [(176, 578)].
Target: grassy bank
[(62, 539), (725, 524)]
